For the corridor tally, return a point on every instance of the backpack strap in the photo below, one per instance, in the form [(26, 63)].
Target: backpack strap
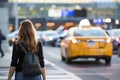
[(23, 48)]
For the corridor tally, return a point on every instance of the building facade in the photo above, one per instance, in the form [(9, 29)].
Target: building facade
[(64, 9)]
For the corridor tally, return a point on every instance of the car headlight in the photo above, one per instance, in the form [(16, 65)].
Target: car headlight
[(50, 38)]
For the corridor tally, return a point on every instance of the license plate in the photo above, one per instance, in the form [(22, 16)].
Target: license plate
[(91, 43)]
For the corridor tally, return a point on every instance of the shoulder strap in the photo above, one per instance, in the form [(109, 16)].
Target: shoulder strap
[(22, 47)]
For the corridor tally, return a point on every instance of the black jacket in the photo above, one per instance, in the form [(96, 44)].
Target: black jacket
[(18, 56)]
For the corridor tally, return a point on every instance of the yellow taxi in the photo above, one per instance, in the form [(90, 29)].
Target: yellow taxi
[(92, 42)]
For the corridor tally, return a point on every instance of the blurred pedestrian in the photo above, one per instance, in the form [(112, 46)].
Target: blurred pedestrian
[(26, 36), (1, 38)]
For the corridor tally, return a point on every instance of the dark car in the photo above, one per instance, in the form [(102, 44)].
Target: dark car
[(50, 37), (115, 36)]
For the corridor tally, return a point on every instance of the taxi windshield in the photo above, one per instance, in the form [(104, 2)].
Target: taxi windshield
[(89, 33)]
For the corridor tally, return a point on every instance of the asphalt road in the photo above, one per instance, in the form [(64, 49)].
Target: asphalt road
[(59, 70), (53, 72), (86, 69)]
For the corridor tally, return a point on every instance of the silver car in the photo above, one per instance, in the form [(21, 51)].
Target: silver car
[(115, 36), (50, 37), (12, 37)]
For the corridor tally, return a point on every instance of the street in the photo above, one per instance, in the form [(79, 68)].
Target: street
[(53, 72), (78, 70), (84, 29), (86, 69)]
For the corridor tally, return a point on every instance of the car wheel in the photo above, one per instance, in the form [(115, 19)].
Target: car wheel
[(97, 59), (67, 59), (62, 58), (56, 44), (107, 60), (53, 44), (119, 50)]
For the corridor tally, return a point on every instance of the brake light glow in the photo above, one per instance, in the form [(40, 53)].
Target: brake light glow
[(44, 37), (108, 40), (74, 41), (117, 39)]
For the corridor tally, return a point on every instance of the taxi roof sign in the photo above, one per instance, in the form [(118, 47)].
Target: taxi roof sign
[(84, 23)]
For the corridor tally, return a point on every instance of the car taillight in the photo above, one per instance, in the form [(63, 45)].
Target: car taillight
[(43, 37), (108, 40), (117, 39), (74, 41)]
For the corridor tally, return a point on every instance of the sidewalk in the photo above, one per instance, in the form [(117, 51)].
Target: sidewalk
[(5, 61), (53, 72)]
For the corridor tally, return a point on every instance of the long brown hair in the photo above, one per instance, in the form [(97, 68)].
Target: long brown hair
[(27, 35)]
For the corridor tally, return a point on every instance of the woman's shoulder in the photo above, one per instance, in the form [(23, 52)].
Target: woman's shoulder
[(39, 42), (14, 44)]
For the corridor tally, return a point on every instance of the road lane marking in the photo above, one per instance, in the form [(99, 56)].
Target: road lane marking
[(94, 73), (68, 75)]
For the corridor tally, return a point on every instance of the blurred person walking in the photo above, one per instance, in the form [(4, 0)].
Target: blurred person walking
[(1, 38), (26, 36)]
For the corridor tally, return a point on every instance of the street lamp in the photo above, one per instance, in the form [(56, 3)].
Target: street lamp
[(16, 14)]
